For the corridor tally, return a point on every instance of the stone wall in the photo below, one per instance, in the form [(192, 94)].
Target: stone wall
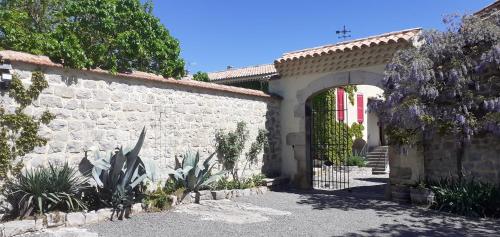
[(481, 160), (96, 109)]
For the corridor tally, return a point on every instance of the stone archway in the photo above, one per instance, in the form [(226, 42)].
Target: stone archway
[(296, 139)]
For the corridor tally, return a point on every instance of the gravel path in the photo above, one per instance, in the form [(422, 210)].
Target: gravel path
[(361, 212)]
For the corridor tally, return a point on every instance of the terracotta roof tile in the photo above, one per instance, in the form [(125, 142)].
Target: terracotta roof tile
[(22, 57), (391, 37), (259, 70)]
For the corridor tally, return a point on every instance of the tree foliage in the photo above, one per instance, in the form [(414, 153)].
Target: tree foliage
[(18, 130), (201, 76), (115, 35), (448, 85)]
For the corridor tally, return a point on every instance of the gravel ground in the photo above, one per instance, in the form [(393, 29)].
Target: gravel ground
[(360, 212)]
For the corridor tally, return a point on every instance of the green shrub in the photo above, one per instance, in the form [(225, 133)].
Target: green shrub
[(466, 197), (172, 185), (230, 146), (356, 161), (46, 189), (158, 200), (227, 184)]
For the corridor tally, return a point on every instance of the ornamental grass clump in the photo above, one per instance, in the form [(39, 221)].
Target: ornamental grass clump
[(46, 189), (466, 197)]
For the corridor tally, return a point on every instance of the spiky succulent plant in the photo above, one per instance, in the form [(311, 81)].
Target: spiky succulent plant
[(193, 173), (118, 177)]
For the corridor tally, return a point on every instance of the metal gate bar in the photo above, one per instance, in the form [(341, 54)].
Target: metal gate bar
[(329, 145)]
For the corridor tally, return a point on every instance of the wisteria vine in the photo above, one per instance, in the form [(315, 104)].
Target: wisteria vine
[(448, 84)]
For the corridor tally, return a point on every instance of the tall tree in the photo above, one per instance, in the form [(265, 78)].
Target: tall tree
[(116, 35)]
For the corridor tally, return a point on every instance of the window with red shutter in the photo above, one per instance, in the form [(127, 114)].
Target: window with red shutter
[(361, 108), (340, 104)]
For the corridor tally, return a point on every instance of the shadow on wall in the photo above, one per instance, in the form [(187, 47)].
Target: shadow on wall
[(272, 155), (406, 220)]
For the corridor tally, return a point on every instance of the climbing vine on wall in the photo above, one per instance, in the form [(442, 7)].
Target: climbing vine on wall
[(18, 130), (327, 130)]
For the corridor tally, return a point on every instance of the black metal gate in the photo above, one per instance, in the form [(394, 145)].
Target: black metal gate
[(329, 142)]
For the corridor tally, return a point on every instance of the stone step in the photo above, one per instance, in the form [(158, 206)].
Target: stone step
[(381, 153), (376, 162), (379, 172)]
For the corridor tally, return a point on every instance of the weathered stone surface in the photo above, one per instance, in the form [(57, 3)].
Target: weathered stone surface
[(104, 214), (174, 200), (13, 228), (75, 219), (91, 217), (63, 232), (106, 111), (55, 219), (137, 208), (218, 195)]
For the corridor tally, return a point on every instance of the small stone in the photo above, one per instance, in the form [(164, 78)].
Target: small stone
[(246, 192), (218, 195), (64, 92), (75, 219), (104, 214), (66, 232), (55, 219), (13, 228), (137, 208), (91, 217), (174, 199)]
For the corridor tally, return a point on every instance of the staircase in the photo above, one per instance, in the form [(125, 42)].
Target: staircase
[(378, 160)]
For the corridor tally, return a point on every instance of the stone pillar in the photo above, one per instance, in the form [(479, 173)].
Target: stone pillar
[(302, 178)]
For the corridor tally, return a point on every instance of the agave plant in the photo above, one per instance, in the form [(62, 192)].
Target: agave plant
[(46, 189), (193, 173), (118, 177)]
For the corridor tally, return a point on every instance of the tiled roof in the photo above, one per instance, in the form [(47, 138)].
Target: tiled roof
[(495, 6), (392, 37), (252, 71), (22, 57)]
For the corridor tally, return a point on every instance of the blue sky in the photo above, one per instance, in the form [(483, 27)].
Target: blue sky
[(214, 34)]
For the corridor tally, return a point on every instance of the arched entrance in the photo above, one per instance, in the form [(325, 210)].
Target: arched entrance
[(304, 73), (339, 133)]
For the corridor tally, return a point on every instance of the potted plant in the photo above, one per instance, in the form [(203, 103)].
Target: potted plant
[(420, 194)]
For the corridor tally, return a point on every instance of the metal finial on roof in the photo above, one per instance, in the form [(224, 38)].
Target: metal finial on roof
[(343, 33)]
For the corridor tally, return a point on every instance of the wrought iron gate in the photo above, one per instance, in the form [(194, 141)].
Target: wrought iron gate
[(329, 143)]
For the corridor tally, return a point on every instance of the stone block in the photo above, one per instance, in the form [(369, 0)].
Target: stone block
[(64, 92), (104, 214), (174, 199), (13, 228), (218, 195), (91, 217), (55, 219), (137, 208), (297, 138), (245, 192), (50, 101), (65, 232), (75, 219)]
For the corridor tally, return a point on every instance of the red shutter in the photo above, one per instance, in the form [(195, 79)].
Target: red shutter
[(340, 104), (361, 108)]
